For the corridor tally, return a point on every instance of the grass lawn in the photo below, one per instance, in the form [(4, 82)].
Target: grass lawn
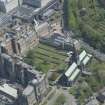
[(44, 58)]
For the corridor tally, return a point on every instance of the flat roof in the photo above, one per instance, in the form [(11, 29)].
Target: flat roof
[(71, 69), (74, 75), (5, 88)]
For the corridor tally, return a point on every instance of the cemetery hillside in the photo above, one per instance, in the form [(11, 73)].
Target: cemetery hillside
[(88, 17)]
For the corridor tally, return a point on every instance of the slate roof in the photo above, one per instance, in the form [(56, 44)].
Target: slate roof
[(4, 19)]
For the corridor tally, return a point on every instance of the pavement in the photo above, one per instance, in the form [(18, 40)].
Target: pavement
[(53, 98), (70, 100), (53, 90)]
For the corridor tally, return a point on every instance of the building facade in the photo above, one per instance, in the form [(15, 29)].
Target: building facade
[(34, 83), (36, 3)]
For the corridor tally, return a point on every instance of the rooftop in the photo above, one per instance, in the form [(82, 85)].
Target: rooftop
[(87, 58), (5, 88), (28, 90), (34, 2), (45, 2), (27, 12), (24, 12), (4, 19), (71, 69), (74, 75), (82, 55), (93, 102), (49, 13)]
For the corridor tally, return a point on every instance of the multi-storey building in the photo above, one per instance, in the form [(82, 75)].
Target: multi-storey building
[(20, 84), (34, 83), (18, 39)]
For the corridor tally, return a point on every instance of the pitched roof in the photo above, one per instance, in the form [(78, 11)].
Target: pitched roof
[(86, 59), (74, 75), (82, 55), (71, 69)]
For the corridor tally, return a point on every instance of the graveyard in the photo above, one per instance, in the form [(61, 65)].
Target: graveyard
[(88, 17)]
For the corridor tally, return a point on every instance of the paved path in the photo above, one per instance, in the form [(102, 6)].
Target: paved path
[(46, 98), (70, 100), (54, 97)]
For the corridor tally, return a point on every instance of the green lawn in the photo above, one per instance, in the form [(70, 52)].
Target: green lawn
[(45, 57)]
